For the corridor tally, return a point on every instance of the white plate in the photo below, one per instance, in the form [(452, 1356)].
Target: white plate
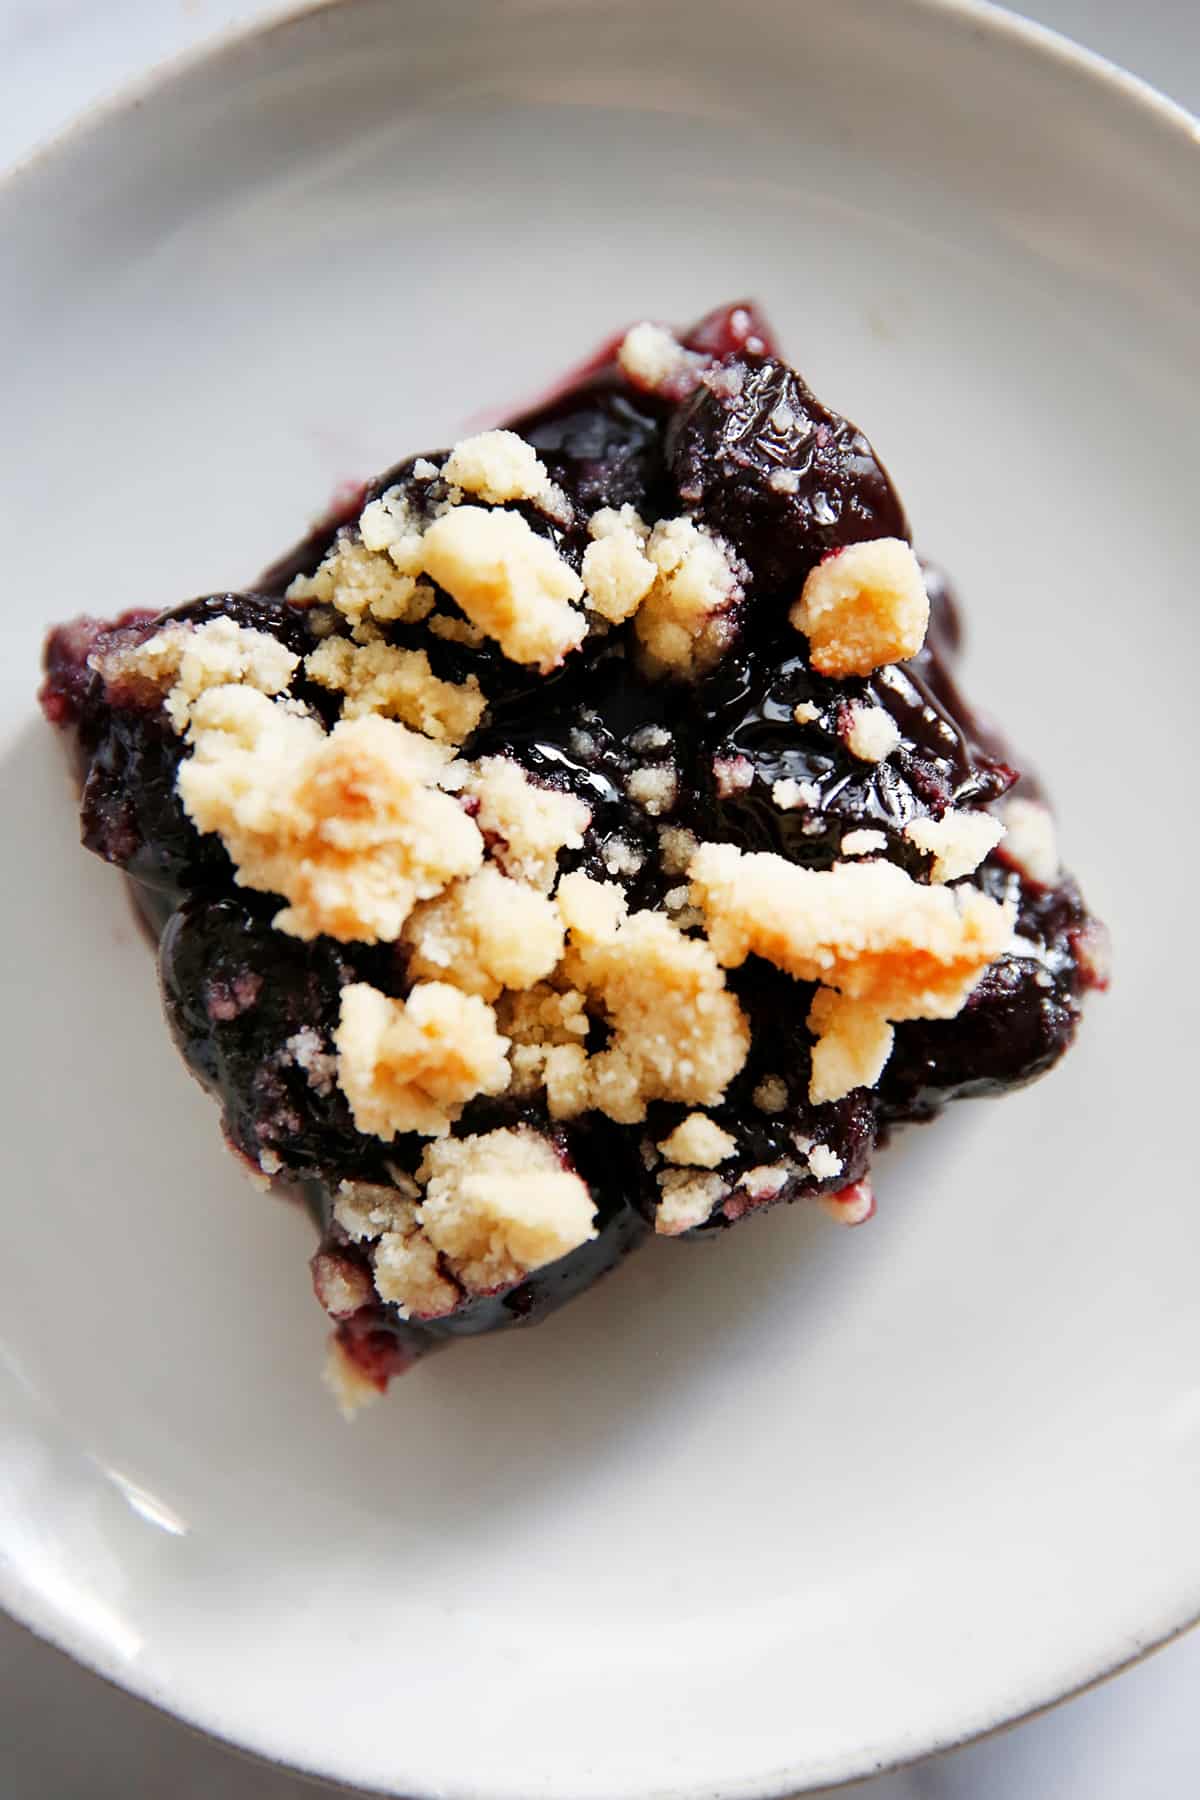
[(738, 1522)]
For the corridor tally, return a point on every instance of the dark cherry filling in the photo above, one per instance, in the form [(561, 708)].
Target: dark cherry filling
[(752, 454)]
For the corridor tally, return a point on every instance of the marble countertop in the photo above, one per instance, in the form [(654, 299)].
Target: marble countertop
[(64, 1734)]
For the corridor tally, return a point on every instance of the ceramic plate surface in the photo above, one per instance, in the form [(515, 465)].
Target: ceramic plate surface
[(748, 1518)]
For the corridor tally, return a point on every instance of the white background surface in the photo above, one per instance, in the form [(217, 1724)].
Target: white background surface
[(62, 1733)]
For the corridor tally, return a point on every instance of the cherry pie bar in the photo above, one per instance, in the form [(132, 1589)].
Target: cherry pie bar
[(580, 837)]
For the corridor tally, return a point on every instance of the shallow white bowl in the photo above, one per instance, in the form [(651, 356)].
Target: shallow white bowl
[(741, 1521)]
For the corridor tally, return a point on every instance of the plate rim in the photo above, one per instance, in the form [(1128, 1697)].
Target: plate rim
[(991, 20)]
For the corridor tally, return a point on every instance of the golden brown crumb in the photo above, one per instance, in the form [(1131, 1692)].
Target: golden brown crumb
[(183, 661), (501, 1205), (511, 583), (865, 928), (350, 828), (530, 823), (412, 1065), (377, 678), (683, 624), (498, 466), (853, 1042), (484, 934), (958, 841), (698, 1142), (862, 607), (408, 1271), (361, 581), (688, 1199), (616, 572)]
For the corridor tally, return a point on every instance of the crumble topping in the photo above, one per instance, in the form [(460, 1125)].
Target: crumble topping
[(824, 1162), (958, 841), (453, 630), (484, 934), (654, 788), (183, 661), (684, 624), (501, 1205), (307, 1049), (500, 466), (653, 359), (862, 607), (341, 1286), (699, 1142), (376, 678), (853, 1042), (863, 843), (351, 828), (852, 1205), (350, 1387), (1031, 842), (677, 1032), (871, 733), (865, 928), (412, 1065), (771, 1094), (805, 713), (530, 824), (616, 572), (510, 582), (408, 1271), (382, 581), (687, 1200), (676, 848), (789, 795)]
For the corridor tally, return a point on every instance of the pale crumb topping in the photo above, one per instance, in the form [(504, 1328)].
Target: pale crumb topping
[(789, 795), (863, 843), (377, 678), (620, 857), (346, 1382), (677, 1033), (824, 1162), (183, 661), (862, 607), (307, 1049), (733, 774), (1031, 842), (341, 1285), (958, 841), (408, 1273), (805, 713), (543, 1015), (654, 787), (771, 1094), (698, 1142), (500, 466), (687, 1200), (366, 1209), (511, 583), (767, 1180), (358, 580), (871, 733), (484, 934), (351, 828), (676, 848), (853, 1042), (684, 624), (653, 358), (616, 573), (412, 1065), (526, 825), (865, 928), (501, 1205), (456, 631), (852, 1205)]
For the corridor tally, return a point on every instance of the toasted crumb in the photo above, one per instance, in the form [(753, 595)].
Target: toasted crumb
[(676, 848), (1031, 842), (684, 624), (862, 607), (351, 828), (616, 573), (677, 1033), (871, 733), (699, 1142), (530, 824), (412, 1065), (484, 934), (501, 1205), (687, 1200), (654, 787), (771, 1094), (377, 678), (958, 841), (511, 583), (853, 1042), (183, 661), (862, 843), (498, 466), (865, 928)]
